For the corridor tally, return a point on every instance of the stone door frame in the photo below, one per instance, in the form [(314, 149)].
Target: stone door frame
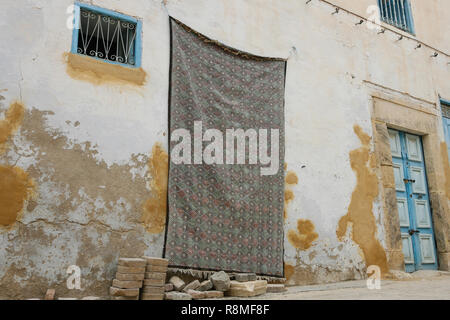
[(420, 117)]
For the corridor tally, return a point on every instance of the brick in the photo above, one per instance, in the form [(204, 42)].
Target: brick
[(155, 268), (178, 284), (113, 291), (122, 269), (241, 277), (154, 282), (155, 275), (247, 289), (130, 276), (276, 288), (168, 287), (156, 261), (132, 262), (196, 295), (192, 286), (154, 290), (251, 276), (220, 280), (213, 294), (205, 285), (152, 296), (126, 284), (174, 295), (50, 294)]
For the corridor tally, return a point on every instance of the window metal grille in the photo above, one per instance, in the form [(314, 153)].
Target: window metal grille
[(106, 37), (397, 13)]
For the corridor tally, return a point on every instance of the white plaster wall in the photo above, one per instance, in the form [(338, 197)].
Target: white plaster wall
[(329, 62)]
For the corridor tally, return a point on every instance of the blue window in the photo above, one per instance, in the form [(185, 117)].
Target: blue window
[(107, 35), (397, 13)]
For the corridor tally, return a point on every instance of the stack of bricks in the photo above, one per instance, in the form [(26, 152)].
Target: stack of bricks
[(155, 278), (129, 278)]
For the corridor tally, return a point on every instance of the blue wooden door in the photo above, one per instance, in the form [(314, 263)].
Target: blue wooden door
[(413, 203), (447, 133)]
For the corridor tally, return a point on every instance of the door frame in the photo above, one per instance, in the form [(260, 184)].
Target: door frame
[(419, 117), (411, 196)]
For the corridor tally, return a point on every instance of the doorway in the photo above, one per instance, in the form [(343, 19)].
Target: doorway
[(413, 204)]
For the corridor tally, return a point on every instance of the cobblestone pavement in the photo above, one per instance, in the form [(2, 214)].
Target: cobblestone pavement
[(424, 285)]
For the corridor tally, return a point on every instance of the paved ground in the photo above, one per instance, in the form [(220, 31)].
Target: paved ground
[(423, 285)]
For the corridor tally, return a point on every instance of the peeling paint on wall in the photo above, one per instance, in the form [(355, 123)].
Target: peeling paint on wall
[(288, 196), (288, 270), (359, 213), (15, 185), (12, 121), (290, 180), (99, 72), (85, 212), (15, 188), (154, 209), (304, 236)]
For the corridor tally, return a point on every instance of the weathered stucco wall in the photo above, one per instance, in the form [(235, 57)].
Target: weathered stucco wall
[(84, 152), (430, 19)]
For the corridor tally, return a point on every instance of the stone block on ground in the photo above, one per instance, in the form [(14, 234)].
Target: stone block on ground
[(50, 294), (113, 291), (126, 284), (152, 296), (155, 268), (155, 275), (132, 262), (192, 285), (213, 294), (196, 294), (276, 288), (251, 276), (168, 287), (91, 298), (178, 284), (153, 290), (241, 277), (122, 269), (130, 276), (154, 282), (220, 280), (174, 295), (247, 289), (63, 298), (156, 261), (205, 285)]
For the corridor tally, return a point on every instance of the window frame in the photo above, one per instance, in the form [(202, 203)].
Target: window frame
[(408, 15), (138, 40)]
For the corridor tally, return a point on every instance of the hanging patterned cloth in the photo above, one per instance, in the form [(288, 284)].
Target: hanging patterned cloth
[(224, 216)]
